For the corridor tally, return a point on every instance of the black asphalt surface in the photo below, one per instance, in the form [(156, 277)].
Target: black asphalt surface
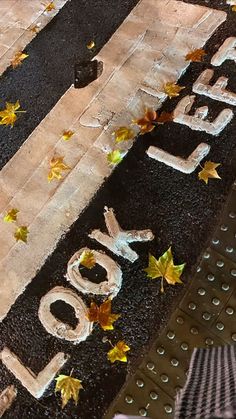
[(179, 209)]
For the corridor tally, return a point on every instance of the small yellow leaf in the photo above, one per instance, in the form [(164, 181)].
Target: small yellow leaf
[(49, 7), (196, 55), (102, 315), (123, 134), (11, 215), (164, 268), (172, 89), (34, 29), (91, 45), (57, 167), (17, 60), (114, 157), (87, 259), (8, 116), (234, 8), (69, 388), (21, 233), (209, 171), (67, 135), (118, 353)]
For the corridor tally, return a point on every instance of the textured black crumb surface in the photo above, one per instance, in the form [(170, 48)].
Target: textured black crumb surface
[(179, 209)]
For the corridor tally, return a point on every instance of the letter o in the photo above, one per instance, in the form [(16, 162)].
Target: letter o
[(59, 329), (111, 286)]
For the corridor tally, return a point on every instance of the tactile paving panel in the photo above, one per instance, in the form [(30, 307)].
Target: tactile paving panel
[(206, 316)]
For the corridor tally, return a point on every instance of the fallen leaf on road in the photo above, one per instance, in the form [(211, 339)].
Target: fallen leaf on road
[(69, 388), (164, 117), (18, 58), (172, 89), (209, 171), (67, 135), (146, 123), (102, 315), (57, 167), (49, 7), (123, 134), (196, 55), (21, 234), (114, 157), (91, 45), (164, 268), (234, 8), (8, 116), (11, 215), (118, 353), (87, 259)]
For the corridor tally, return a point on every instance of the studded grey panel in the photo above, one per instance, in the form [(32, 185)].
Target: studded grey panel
[(205, 316)]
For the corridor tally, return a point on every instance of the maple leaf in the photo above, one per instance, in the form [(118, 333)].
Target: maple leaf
[(67, 135), (172, 89), (18, 58), (123, 134), (91, 45), (234, 8), (146, 123), (87, 259), (8, 116), (57, 167), (114, 157), (118, 353), (164, 268), (34, 29), (69, 388), (196, 55), (102, 315), (49, 7), (209, 171), (11, 215), (164, 117), (21, 233)]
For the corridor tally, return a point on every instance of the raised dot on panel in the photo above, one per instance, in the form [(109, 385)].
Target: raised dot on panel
[(160, 350), (150, 366), (180, 320), (164, 378), (206, 255), (206, 316), (198, 269), (220, 263), (129, 399), (192, 306), (223, 227), (201, 291), (178, 388), (174, 362), (140, 383), (194, 331), (170, 335), (168, 408), (215, 301), (229, 249), (220, 326), (215, 241), (142, 412), (229, 311), (232, 215), (210, 277), (184, 346), (209, 341), (233, 336), (153, 395), (233, 272), (225, 287)]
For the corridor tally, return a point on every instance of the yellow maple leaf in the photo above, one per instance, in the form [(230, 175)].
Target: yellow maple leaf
[(234, 8), (209, 171), (114, 157), (21, 234), (18, 58), (87, 259), (57, 167), (164, 268), (102, 315), (91, 45), (49, 7), (123, 134), (34, 28), (11, 215), (196, 55), (118, 352), (8, 116), (69, 388), (172, 89), (67, 135)]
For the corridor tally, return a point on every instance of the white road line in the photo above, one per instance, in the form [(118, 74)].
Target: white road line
[(146, 51)]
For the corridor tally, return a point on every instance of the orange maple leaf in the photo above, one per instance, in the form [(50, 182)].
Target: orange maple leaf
[(102, 315), (196, 55)]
